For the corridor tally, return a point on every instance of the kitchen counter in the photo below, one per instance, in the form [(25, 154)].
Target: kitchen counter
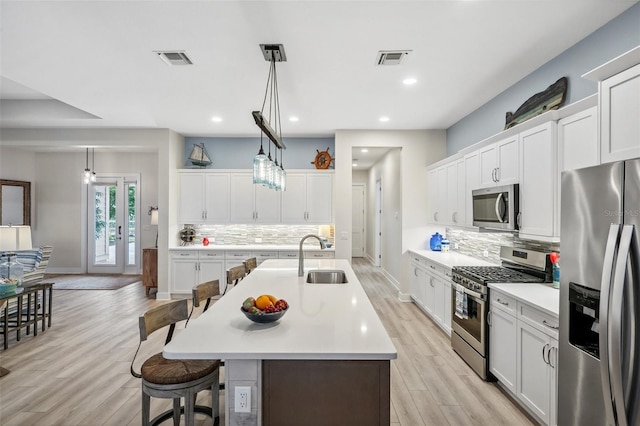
[(451, 258), (330, 342), (252, 247), (324, 321), (542, 296)]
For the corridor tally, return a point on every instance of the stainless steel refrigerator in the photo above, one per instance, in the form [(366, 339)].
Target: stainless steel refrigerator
[(598, 368)]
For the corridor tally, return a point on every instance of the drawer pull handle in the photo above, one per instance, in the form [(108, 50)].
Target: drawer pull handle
[(432, 267), (502, 303), (555, 327)]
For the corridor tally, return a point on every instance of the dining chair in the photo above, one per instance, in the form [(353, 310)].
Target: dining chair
[(250, 264), (175, 378), (234, 275)]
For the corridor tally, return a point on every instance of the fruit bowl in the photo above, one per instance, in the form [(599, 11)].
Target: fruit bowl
[(264, 318)]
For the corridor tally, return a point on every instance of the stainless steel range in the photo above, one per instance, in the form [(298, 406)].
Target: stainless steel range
[(470, 300)]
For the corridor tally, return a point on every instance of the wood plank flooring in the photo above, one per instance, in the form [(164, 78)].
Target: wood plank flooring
[(77, 372)]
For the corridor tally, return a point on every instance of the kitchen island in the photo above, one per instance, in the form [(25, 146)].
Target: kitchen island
[(325, 362)]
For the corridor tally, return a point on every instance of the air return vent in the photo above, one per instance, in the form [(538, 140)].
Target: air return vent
[(391, 57), (175, 57)]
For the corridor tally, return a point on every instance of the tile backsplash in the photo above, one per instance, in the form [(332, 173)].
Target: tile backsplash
[(271, 234), (474, 243)]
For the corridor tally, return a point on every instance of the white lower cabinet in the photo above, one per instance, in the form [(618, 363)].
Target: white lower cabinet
[(190, 268), (523, 354), (430, 288)]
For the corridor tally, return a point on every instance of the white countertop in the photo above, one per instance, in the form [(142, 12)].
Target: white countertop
[(252, 247), (324, 321), (451, 258), (542, 296)]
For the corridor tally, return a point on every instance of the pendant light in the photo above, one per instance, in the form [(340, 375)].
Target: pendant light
[(87, 173), (93, 165), (265, 171)]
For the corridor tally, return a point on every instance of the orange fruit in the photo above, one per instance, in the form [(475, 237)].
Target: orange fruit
[(263, 301)]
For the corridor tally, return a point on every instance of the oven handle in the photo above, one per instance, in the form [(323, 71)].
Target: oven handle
[(470, 292)]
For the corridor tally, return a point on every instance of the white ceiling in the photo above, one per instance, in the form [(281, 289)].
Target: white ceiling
[(91, 63)]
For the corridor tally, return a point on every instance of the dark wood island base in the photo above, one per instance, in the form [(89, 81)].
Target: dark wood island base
[(325, 392)]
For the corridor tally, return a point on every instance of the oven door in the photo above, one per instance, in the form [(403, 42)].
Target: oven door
[(471, 323)]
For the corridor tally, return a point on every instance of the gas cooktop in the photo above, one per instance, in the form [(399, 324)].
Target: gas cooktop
[(495, 274)]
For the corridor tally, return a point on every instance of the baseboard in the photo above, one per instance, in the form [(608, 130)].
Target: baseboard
[(51, 270), (403, 297)]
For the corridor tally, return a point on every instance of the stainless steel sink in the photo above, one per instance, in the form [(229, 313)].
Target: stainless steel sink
[(326, 276)]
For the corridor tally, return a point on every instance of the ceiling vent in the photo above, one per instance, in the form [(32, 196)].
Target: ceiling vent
[(391, 57), (175, 57)]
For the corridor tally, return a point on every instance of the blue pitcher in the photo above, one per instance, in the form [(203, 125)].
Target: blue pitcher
[(436, 242)]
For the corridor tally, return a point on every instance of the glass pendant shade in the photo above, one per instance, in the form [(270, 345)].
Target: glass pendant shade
[(260, 166), (269, 180), (283, 179), (277, 177)]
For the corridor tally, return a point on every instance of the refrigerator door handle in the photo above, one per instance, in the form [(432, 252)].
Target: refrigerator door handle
[(615, 321), (607, 271)]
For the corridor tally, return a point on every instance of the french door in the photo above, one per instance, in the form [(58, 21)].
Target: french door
[(113, 225)]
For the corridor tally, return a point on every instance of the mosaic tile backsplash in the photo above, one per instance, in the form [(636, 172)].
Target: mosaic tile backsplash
[(474, 243), (270, 234)]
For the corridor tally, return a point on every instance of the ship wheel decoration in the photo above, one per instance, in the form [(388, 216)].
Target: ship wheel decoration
[(323, 159)]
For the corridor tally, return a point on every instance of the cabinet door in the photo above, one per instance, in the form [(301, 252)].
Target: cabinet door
[(533, 371), (446, 319), (192, 198), (319, 198), (578, 140), (217, 198), (438, 300), (502, 348), (432, 196), (508, 158), (451, 195), (267, 204), (417, 284), (460, 214), (444, 215), (538, 180), (620, 109), (488, 166), (430, 293), (184, 275), (553, 383), (472, 181), (294, 199), (212, 270), (242, 198)]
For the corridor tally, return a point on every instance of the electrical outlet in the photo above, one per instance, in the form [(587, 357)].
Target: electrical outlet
[(243, 399), (212, 240), (456, 246), (258, 240), (485, 253)]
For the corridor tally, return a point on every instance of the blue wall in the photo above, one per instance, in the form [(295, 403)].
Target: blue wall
[(238, 153), (616, 37)]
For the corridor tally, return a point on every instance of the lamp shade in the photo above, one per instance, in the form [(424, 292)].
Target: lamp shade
[(14, 238), (154, 217)]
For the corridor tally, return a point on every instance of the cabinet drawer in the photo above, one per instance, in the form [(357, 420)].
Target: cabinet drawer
[(503, 302), (238, 254), (207, 254), (318, 255), (443, 271), (184, 254), (544, 322), (288, 255), (264, 255)]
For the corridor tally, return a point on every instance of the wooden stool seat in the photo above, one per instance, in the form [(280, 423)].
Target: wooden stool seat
[(162, 371)]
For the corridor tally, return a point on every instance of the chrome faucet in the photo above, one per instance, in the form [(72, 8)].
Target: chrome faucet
[(301, 253)]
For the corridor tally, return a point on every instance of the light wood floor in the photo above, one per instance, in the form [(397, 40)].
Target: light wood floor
[(77, 372)]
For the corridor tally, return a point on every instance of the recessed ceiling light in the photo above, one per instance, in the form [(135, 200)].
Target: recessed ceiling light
[(409, 81), (216, 119), (293, 118), (355, 162), (364, 150), (384, 119)]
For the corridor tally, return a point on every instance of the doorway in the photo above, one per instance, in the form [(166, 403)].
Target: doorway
[(378, 220), (113, 225), (358, 220)]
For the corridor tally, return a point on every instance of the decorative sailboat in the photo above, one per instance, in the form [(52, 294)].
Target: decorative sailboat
[(199, 156)]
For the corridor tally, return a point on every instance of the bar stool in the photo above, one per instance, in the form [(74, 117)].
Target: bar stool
[(250, 264), (234, 275)]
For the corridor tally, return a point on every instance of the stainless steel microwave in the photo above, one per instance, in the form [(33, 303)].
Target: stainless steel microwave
[(496, 207)]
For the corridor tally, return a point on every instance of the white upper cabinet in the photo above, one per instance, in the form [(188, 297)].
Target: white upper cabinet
[(435, 207), (455, 193), (308, 198), (538, 178), (252, 203), (578, 140), (204, 198), (499, 163), (472, 181), (620, 116)]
